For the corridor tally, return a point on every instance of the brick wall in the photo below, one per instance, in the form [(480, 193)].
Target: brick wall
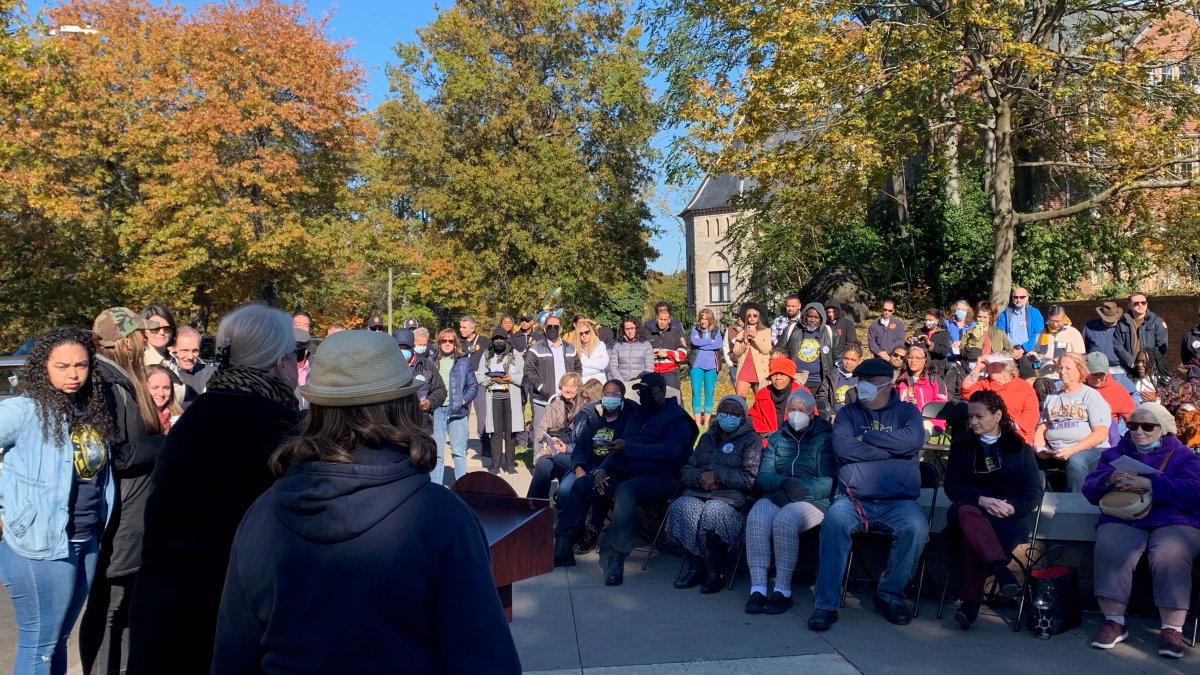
[(1180, 313)]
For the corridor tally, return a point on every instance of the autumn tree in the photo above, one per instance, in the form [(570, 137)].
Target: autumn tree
[(514, 156), (198, 158), (1065, 105)]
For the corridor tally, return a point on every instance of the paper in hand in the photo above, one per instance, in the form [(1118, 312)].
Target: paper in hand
[(1127, 463)]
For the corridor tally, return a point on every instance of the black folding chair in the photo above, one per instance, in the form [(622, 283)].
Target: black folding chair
[(1195, 599), (1026, 567), (931, 478)]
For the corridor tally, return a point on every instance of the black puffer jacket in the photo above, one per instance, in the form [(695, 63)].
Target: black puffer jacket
[(733, 458)]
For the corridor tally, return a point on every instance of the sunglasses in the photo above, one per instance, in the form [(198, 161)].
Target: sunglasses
[(888, 311), (585, 332), (1142, 426), (162, 330), (447, 342), (1020, 297), (1138, 303)]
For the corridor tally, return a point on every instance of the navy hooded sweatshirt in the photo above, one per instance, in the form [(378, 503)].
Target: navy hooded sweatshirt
[(361, 568), (885, 463)]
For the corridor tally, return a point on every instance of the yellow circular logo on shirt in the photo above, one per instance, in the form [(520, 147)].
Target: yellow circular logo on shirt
[(809, 350)]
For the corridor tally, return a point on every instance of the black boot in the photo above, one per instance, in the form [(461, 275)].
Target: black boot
[(614, 572), (562, 552), (694, 574), (485, 445), (587, 540), (715, 562)]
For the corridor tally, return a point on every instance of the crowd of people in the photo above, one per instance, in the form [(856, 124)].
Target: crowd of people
[(330, 453)]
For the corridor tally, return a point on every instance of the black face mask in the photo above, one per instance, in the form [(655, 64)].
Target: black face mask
[(654, 398), (552, 332), (499, 346)]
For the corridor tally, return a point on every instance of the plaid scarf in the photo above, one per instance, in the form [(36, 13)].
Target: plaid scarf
[(254, 381)]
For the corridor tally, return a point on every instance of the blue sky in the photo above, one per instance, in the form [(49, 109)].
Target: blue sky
[(375, 26)]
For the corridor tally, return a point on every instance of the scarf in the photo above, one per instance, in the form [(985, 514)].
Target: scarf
[(254, 381), (1137, 338), (779, 398)]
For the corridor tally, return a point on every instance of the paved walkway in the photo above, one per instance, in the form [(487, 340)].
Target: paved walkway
[(570, 622)]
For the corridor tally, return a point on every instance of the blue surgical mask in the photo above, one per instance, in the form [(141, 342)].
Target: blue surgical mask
[(728, 422), (406, 353), (1148, 448), (612, 403), (866, 391), (798, 420), (421, 349), (960, 314)]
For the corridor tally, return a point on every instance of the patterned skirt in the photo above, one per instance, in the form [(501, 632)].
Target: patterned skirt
[(691, 518)]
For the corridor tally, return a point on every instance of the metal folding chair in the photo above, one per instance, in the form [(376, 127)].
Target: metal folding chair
[(931, 478), (1026, 567)]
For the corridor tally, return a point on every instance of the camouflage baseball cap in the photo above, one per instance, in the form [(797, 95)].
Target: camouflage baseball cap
[(115, 323)]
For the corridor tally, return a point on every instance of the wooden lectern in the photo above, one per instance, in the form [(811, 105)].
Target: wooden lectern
[(520, 532)]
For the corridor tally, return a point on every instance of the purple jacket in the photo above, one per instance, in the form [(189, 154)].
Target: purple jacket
[(1176, 490)]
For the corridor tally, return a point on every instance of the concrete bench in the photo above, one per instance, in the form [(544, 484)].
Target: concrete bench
[(1066, 516)]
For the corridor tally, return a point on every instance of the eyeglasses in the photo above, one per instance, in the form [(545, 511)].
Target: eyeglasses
[(447, 342), (1020, 297), (1138, 303), (888, 311), (1142, 426), (162, 330)]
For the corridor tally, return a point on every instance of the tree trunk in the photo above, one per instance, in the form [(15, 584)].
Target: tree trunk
[(1000, 177)]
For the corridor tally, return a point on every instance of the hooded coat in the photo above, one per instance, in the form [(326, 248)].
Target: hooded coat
[(364, 567), (844, 330), (809, 348)]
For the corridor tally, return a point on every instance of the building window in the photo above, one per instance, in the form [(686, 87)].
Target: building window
[(718, 287), (1188, 148), (1161, 74)]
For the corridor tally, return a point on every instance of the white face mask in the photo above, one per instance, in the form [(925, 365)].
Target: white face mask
[(798, 420)]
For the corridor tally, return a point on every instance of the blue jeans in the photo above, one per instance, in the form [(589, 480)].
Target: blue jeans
[(902, 518), (626, 494), (47, 596), (704, 384), (457, 430), (545, 471)]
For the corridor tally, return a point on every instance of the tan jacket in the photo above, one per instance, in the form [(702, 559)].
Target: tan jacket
[(759, 350)]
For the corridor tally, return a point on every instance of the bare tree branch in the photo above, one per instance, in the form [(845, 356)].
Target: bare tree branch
[(1103, 197)]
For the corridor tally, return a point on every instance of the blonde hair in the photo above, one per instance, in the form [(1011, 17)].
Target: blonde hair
[(1079, 362), (578, 344), (592, 391)]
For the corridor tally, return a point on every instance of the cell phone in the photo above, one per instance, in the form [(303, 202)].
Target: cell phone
[(548, 439)]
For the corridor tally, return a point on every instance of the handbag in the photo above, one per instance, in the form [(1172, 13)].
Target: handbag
[(1054, 596), (1130, 504)]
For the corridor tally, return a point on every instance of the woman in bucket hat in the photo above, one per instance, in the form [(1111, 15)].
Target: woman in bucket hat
[(354, 561), (1169, 532)]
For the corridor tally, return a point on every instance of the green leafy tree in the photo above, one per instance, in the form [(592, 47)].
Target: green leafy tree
[(822, 103), (524, 168)]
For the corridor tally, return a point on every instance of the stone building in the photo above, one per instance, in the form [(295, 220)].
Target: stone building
[(713, 281)]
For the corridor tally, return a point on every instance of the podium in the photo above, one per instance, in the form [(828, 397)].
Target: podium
[(520, 532)]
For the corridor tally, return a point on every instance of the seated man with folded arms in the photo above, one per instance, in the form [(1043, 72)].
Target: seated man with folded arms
[(877, 443)]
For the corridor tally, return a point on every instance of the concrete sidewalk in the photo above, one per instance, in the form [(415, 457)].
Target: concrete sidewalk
[(570, 622)]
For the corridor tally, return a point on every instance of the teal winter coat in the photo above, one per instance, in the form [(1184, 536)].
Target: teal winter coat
[(806, 456)]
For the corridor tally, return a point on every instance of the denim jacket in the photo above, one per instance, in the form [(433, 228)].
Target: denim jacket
[(36, 480)]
